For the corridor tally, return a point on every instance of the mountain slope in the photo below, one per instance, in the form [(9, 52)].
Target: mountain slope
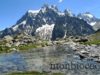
[(96, 35), (43, 22), (33, 20), (94, 38), (71, 26)]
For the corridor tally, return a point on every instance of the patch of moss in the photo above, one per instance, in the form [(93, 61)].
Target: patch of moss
[(31, 46), (96, 42), (35, 73), (26, 47), (4, 49), (57, 74)]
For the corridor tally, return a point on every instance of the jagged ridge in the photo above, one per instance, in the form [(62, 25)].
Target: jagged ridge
[(46, 20)]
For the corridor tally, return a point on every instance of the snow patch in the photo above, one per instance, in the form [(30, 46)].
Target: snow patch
[(24, 22), (45, 32), (44, 20), (80, 18), (43, 10), (89, 15), (33, 11), (60, 13), (69, 13), (16, 26), (92, 23)]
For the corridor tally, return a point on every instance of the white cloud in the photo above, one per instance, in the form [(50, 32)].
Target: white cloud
[(60, 1)]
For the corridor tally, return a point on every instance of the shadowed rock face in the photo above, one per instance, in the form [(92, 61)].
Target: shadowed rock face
[(41, 59), (70, 26)]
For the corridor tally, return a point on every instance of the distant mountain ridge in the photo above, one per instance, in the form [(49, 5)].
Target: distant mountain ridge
[(90, 19), (49, 23)]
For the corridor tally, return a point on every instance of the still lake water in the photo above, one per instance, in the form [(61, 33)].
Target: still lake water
[(38, 60)]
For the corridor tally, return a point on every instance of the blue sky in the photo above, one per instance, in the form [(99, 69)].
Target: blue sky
[(12, 10)]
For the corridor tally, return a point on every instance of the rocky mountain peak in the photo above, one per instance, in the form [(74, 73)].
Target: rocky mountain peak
[(86, 14), (68, 12), (90, 19), (46, 8)]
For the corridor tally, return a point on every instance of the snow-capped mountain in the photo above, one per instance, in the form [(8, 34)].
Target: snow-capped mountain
[(90, 19), (43, 22)]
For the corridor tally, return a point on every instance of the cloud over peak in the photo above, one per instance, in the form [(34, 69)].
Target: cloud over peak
[(60, 1)]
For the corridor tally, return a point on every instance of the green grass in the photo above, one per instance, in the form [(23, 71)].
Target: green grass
[(95, 42), (35, 73), (93, 39), (5, 49), (28, 73), (26, 47), (31, 46)]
